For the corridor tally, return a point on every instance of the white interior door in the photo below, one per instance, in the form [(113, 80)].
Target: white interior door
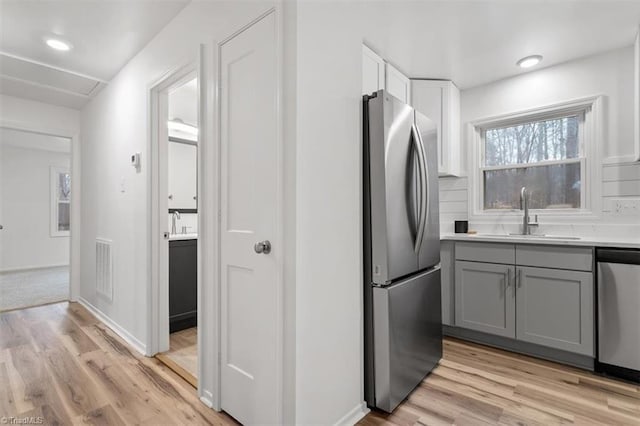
[(250, 329)]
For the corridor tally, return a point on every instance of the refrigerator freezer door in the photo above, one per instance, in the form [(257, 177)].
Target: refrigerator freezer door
[(429, 254), (391, 185), (407, 336)]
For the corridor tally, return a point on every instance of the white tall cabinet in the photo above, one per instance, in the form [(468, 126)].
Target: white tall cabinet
[(378, 74), (183, 176), (440, 101), (373, 71), (398, 84)]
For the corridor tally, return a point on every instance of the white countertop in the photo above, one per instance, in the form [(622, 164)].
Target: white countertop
[(181, 237), (630, 242)]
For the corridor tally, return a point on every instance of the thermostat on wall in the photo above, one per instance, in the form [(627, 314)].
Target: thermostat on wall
[(135, 160)]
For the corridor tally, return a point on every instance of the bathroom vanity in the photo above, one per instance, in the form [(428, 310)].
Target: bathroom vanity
[(183, 282)]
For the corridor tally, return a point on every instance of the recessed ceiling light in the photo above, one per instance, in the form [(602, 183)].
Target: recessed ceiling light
[(529, 61), (57, 44)]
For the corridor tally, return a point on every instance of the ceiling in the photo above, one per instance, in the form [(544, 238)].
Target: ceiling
[(476, 42), (469, 42), (105, 35)]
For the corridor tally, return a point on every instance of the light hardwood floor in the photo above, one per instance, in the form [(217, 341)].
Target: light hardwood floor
[(182, 356), (478, 385), (60, 363)]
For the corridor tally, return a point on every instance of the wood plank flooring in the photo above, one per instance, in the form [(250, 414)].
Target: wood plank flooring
[(58, 362), (478, 385), (182, 356)]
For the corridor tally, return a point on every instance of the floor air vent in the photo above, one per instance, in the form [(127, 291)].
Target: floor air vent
[(104, 276)]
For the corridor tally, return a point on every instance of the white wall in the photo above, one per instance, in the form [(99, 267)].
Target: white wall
[(609, 74), (25, 205), (329, 313)]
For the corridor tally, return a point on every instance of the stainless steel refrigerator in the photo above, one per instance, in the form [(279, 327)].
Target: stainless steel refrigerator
[(403, 323)]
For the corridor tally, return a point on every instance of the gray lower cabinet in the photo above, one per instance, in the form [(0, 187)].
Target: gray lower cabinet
[(541, 295), (183, 284), (555, 308), (485, 298)]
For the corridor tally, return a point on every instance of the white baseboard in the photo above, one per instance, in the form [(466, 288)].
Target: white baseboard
[(354, 415), (119, 330), (32, 268)]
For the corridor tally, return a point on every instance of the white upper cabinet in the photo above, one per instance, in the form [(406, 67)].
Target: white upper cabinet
[(182, 179), (398, 84), (373, 71), (440, 101)]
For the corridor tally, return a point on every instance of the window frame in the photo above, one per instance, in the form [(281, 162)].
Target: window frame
[(589, 111), (55, 171)]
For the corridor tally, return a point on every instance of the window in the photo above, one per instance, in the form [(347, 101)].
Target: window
[(552, 151), (542, 155), (60, 202)]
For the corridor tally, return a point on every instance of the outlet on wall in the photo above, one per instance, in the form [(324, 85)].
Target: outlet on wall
[(625, 206)]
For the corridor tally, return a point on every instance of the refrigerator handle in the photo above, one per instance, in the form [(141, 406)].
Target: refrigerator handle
[(424, 187)]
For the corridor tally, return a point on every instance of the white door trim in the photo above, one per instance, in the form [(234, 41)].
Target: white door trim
[(74, 251), (157, 208), (208, 229)]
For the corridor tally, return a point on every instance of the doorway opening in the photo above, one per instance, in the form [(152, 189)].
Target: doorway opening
[(178, 185), (35, 218)]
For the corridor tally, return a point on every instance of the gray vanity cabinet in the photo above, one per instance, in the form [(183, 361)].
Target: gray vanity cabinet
[(555, 308), (484, 297)]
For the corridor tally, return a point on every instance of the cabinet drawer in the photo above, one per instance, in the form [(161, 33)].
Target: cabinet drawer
[(557, 257), (486, 252)]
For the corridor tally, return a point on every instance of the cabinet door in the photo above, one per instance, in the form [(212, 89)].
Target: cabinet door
[(428, 99), (182, 176), (398, 84), (555, 308), (440, 101), (373, 71), (485, 299)]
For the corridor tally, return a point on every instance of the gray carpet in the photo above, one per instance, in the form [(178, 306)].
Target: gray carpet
[(33, 287)]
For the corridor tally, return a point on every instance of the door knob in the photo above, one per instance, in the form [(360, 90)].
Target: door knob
[(263, 247)]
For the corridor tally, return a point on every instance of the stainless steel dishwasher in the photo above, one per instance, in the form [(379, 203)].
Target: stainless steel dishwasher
[(619, 313)]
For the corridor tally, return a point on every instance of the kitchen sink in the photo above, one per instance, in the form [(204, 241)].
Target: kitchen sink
[(534, 236)]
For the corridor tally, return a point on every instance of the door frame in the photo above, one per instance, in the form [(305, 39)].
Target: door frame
[(200, 67), (75, 202), (157, 207)]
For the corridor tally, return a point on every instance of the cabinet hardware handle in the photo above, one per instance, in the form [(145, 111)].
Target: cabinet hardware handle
[(519, 278), (509, 277)]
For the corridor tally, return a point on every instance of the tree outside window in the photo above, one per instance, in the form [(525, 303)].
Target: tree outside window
[(542, 155)]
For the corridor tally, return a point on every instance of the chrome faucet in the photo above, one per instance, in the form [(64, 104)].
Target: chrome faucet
[(524, 205), (174, 216)]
